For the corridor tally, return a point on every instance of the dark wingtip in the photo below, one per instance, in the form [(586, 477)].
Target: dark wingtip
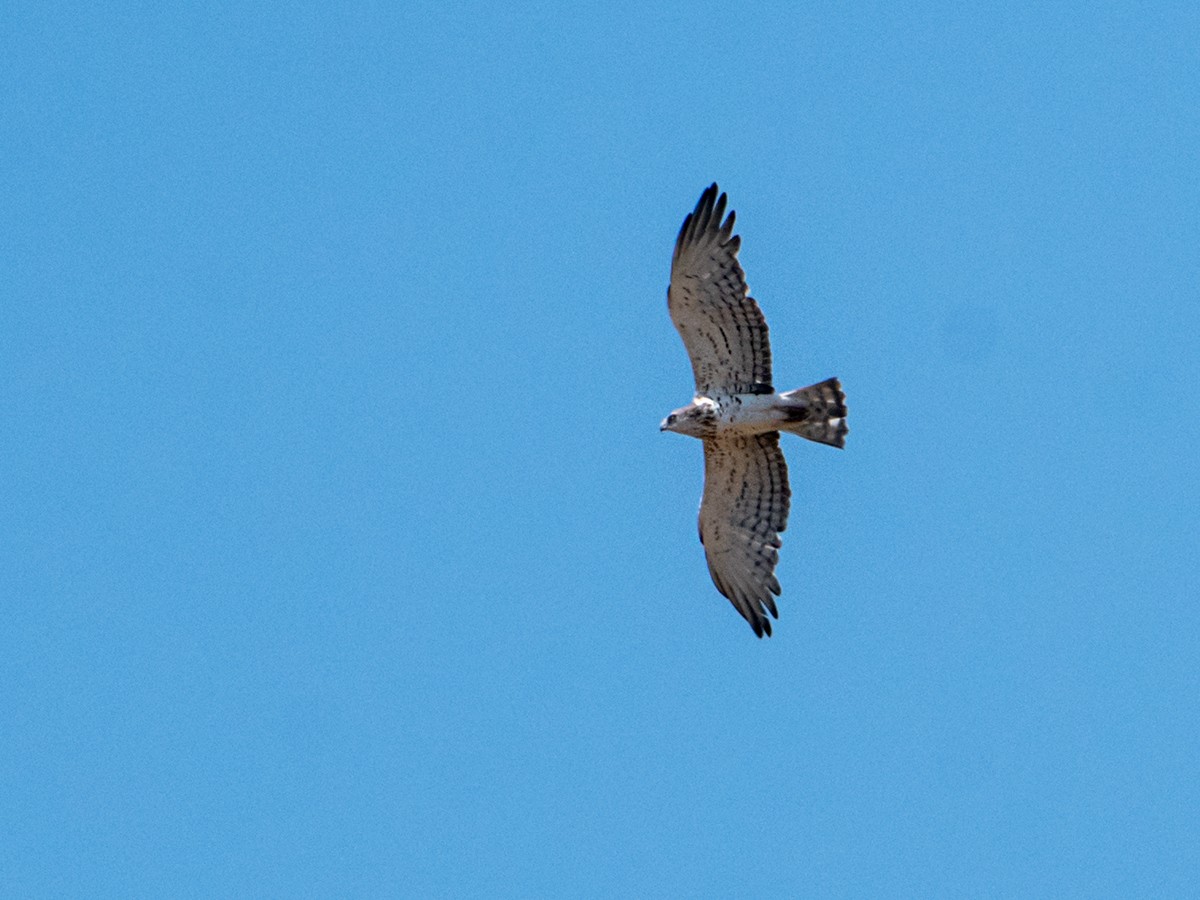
[(760, 623), (683, 230), (709, 211)]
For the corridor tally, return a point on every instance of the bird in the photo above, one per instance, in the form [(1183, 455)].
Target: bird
[(737, 412)]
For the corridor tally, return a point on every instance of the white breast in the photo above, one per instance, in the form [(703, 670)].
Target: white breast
[(749, 413)]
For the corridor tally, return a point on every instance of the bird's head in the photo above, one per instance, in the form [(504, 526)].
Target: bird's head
[(696, 419)]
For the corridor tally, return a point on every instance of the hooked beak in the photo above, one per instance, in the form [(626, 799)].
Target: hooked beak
[(662, 426)]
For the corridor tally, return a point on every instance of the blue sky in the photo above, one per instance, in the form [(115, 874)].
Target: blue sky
[(343, 555)]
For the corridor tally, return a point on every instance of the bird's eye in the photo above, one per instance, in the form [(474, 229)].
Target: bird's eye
[(671, 419)]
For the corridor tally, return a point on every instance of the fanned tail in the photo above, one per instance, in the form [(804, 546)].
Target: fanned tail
[(817, 412)]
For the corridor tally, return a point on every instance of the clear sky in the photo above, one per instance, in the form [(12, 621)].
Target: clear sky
[(342, 555)]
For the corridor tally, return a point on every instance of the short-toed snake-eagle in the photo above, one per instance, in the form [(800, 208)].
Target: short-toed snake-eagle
[(737, 413)]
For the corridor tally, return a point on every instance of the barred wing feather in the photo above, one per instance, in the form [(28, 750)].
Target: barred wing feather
[(745, 507), (722, 327)]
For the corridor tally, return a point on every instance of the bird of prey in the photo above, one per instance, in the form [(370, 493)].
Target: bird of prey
[(737, 412)]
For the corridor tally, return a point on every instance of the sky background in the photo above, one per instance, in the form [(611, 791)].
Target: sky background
[(342, 555)]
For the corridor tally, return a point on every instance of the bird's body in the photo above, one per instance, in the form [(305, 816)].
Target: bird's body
[(706, 417), (805, 412), (737, 412)]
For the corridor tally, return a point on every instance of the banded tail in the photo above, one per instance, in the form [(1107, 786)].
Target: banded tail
[(817, 412)]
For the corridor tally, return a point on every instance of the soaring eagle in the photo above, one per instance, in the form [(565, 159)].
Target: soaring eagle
[(737, 413)]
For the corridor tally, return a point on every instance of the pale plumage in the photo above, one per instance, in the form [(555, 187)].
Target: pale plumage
[(737, 413)]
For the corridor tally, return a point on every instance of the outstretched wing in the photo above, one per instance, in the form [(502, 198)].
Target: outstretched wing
[(745, 507), (722, 327)]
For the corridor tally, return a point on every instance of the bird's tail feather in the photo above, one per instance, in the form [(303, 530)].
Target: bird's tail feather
[(817, 412)]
